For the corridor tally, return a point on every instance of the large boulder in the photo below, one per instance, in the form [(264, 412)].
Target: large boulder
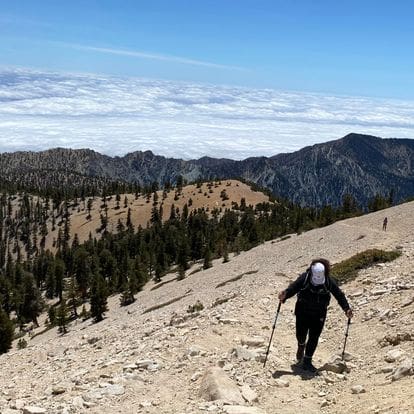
[(216, 385), (404, 369), (394, 354), (335, 364)]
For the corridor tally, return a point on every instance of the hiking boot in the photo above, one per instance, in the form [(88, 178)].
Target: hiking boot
[(300, 352), (307, 365)]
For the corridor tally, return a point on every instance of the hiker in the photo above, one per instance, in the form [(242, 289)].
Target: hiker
[(384, 224), (314, 288)]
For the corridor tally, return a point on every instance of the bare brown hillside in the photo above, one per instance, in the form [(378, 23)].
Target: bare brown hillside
[(151, 357), (210, 196)]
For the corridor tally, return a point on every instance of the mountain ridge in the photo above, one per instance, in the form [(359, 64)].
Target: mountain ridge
[(361, 165)]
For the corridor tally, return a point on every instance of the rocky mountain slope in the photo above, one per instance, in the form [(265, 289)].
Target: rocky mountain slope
[(357, 164), (155, 356)]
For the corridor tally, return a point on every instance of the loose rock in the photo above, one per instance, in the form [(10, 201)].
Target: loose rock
[(216, 385), (393, 355), (282, 383), (253, 342), (248, 394), (114, 389), (31, 409), (335, 364), (406, 368), (358, 389)]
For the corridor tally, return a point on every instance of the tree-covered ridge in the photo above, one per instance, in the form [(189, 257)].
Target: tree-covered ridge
[(94, 215), (33, 277), (59, 185)]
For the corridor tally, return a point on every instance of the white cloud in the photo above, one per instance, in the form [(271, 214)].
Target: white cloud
[(118, 115)]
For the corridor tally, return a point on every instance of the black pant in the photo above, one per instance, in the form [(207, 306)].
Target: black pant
[(312, 324)]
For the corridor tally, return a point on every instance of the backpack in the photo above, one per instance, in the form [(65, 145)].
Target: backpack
[(311, 299), (307, 285)]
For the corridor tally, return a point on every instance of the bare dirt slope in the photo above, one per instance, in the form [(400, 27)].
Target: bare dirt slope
[(143, 359)]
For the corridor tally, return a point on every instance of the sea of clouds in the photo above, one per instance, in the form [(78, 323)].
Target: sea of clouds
[(40, 110)]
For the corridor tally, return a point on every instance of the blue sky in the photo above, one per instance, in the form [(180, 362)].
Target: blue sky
[(342, 47), (225, 78)]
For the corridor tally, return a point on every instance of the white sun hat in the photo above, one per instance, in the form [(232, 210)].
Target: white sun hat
[(318, 274)]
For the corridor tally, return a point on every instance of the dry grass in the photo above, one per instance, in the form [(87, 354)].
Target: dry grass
[(203, 197)]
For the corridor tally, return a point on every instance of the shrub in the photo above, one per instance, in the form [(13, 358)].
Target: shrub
[(22, 343), (348, 269), (127, 297), (197, 307), (224, 195)]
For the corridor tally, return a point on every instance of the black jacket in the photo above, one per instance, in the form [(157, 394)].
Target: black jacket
[(315, 299)]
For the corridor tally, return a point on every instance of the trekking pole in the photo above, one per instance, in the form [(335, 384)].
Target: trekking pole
[(346, 337), (273, 330)]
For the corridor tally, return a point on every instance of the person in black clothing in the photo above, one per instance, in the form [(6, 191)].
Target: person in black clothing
[(313, 288)]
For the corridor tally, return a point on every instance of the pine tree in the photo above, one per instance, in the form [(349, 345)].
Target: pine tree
[(390, 199), (182, 260), (207, 258), (378, 202), (43, 233), (126, 298), (181, 273), (99, 295), (131, 287), (180, 183), (62, 317), (32, 301), (51, 314), (72, 296), (118, 201), (173, 216), (349, 205), (155, 215), (5, 295), (140, 273), (120, 226), (6, 332), (133, 282), (50, 281), (225, 253), (82, 271), (129, 224), (89, 205)]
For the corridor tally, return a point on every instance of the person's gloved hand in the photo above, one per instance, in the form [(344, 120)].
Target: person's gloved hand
[(282, 296), (349, 313)]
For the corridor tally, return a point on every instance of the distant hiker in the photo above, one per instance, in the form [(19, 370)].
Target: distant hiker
[(384, 224), (314, 288)]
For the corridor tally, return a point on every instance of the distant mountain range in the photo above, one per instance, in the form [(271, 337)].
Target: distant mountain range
[(361, 165)]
